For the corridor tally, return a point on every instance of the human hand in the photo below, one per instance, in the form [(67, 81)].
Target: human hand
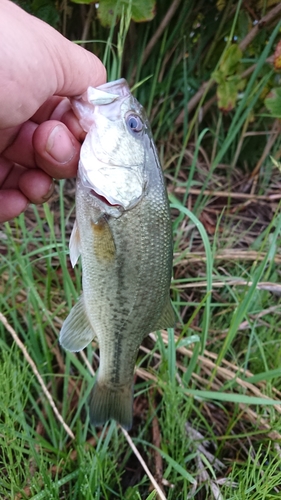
[(40, 136)]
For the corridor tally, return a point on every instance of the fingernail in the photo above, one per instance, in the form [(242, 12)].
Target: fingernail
[(59, 145), (50, 192)]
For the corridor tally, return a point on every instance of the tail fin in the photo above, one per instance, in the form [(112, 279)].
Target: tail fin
[(108, 402)]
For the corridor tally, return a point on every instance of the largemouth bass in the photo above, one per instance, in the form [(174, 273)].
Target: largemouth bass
[(123, 234)]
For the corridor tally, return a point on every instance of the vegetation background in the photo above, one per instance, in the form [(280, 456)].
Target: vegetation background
[(207, 420)]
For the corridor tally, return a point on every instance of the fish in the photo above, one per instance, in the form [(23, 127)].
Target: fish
[(123, 233)]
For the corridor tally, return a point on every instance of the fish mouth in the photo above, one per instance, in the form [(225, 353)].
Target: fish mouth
[(120, 87), (103, 199)]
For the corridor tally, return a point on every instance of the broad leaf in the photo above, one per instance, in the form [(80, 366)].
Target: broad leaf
[(86, 2), (142, 10), (277, 56), (228, 78), (109, 11), (273, 102)]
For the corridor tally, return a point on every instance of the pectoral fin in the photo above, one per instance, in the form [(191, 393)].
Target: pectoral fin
[(104, 246), (76, 332), (167, 318), (74, 245)]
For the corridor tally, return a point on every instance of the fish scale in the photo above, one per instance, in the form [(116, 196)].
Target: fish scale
[(123, 234)]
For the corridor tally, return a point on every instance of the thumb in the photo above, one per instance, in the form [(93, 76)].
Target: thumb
[(37, 62), (76, 68)]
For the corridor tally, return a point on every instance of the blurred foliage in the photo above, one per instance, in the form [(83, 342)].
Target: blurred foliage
[(213, 96)]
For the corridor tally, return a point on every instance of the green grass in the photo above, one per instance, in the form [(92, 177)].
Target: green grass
[(207, 418)]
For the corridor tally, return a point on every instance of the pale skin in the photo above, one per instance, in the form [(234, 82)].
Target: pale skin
[(40, 138)]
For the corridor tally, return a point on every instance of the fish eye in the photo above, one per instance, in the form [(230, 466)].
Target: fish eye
[(134, 123)]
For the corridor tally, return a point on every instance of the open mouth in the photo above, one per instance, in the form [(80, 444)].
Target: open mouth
[(103, 199)]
